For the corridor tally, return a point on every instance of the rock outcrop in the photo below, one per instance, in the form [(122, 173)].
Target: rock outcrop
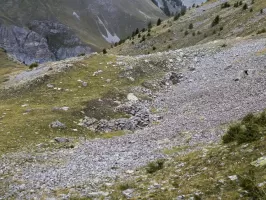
[(42, 41), (140, 117)]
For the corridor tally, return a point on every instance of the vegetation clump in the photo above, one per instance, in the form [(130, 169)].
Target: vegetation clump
[(159, 21), (82, 54), (225, 5), (176, 17), (261, 31), (215, 21), (251, 128), (245, 6), (155, 166), (33, 65)]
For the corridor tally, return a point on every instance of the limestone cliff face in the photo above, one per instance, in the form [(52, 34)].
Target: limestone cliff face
[(169, 7), (25, 45), (41, 31), (41, 42)]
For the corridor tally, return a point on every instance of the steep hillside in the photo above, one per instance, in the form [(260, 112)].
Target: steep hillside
[(8, 67), (83, 123), (51, 30), (195, 27), (179, 115)]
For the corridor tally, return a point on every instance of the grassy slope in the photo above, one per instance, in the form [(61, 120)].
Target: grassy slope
[(7, 66), (19, 128), (203, 174), (171, 34), (29, 111), (232, 170)]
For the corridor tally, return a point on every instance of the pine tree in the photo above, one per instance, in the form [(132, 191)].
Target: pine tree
[(245, 7), (149, 25), (159, 21), (216, 21)]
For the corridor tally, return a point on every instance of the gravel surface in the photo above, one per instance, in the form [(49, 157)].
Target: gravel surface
[(215, 91)]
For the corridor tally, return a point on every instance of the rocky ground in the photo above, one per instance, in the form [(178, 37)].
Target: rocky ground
[(219, 82)]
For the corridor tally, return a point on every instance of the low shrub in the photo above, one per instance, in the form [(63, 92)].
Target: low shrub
[(159, 21), (245, 6), (225, 5), (215, 21), (33, 65), (82, 54), (261, 31), (176, 17), (155, 166), (248, 183), (251, 128)]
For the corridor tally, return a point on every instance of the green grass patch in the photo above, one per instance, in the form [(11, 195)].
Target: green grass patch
[(205, 174), (7, 66), (155, 166), (175, 150), (251, 128), (113, 134), (25, 115)]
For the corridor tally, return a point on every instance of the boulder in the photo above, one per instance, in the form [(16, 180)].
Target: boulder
[(132, 97), (61, 140), (245, 73), (57, 124), (128, 193)]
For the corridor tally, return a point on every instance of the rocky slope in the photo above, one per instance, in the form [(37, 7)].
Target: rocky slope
[(94, 127), (56, 30), (219, 84)]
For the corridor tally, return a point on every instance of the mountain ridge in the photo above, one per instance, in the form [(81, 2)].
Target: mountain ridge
[(80, 27)]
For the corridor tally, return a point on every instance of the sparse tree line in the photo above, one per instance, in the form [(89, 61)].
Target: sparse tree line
[(138, 33), (214, 23)]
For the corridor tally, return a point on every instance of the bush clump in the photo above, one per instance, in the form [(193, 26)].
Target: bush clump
[(261, 31), (159, 21), (155, 166), (215, 21), (250, 129), (245, 7), (177, 16), (33, 65), (225, 5)]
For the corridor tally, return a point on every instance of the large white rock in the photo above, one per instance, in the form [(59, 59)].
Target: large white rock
[(132, 97)]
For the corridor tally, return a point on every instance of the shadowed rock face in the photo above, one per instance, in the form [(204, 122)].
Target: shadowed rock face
[(45, 41), (25, 45), (37, 31), (62, 41), (169, 7)]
